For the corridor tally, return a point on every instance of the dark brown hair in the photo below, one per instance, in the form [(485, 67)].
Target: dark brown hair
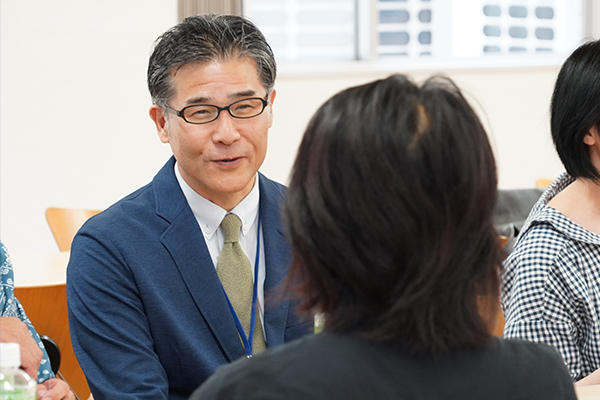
[(389, 214)]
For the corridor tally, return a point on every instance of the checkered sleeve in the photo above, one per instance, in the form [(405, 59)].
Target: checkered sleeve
[(540, 292)]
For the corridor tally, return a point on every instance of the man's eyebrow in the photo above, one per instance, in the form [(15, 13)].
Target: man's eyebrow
[(198, 100), (207, 100), (243, 93)]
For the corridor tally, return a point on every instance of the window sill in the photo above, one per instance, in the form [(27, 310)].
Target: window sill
[(291, 69)]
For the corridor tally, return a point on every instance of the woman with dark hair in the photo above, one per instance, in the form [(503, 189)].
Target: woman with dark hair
[(389, 214), (551, 281)]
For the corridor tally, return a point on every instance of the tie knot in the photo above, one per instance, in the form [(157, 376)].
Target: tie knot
[(231, 226)]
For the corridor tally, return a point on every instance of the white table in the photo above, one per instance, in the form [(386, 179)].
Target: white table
[(34, 270)]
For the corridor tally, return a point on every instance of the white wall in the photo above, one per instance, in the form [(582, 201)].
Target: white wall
[(74, 126), (75, 130), (513, 103)]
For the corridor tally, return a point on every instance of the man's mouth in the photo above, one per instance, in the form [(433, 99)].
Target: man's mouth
[(228, 160)]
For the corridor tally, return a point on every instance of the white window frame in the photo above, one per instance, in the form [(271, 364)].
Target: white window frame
[(369, 61)]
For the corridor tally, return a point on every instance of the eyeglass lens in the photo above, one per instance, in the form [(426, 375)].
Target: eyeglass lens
[(245, 108)]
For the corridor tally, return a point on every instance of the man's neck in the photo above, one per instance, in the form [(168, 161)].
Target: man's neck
[(226, 200), (229, 201)]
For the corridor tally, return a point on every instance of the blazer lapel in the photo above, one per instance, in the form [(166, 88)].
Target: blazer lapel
[(185, 242), (277, 258)]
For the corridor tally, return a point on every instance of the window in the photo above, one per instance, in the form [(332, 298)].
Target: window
[(532, 26), (404, 28), (306, 29), (371, 29)]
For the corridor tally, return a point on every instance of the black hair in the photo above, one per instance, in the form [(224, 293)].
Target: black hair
[(204, 38), (575, 109), (389, 214)]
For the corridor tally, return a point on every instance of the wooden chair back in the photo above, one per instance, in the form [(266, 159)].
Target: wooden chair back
[(65, 222), (46, 307), (542, 183), (498, 328)]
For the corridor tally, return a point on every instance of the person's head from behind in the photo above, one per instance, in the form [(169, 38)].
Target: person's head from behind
[(575, 112), (389, 214), (211, 80)]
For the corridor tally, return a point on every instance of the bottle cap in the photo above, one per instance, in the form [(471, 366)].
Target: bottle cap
[(10, 355)]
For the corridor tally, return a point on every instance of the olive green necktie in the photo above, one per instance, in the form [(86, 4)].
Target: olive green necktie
[(235, 272)]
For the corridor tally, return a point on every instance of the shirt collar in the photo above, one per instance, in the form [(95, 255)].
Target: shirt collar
[(210, 215), (542, 213)]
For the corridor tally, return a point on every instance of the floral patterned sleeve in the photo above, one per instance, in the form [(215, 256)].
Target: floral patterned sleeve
[(10, 307)]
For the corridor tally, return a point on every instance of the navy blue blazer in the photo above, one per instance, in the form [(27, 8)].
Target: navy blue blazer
[(147, 314)]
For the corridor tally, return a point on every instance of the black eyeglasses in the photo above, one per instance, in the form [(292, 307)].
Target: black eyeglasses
[(205, 113)]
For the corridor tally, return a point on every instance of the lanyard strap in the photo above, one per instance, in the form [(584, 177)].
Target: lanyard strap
[(247, 340)]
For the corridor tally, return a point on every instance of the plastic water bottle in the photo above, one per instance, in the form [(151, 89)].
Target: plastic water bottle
[(15, 384), (319, 323)]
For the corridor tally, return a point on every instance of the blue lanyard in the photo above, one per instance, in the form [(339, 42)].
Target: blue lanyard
[(247, 340)]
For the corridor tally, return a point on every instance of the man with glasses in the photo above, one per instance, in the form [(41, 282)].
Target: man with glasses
[(173, 280)]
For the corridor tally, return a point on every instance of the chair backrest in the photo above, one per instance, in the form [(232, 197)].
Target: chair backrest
[(543, 183), (53, 351), (46, 308), (498, 327), (65, 222), (512, 208)]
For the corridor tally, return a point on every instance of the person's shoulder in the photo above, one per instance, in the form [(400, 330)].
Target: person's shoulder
[(4, 260), (299, 352), (529, 357), (523, 350), (541, 236), (544, 252), (540, 245), (112, 230), (535, 366), (130, 206), (141, 205), (271, 372)]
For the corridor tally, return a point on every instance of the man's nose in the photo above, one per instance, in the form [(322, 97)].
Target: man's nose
[(225, 129)]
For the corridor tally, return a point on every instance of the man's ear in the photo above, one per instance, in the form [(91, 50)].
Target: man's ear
[(271, 99), (157, 114)]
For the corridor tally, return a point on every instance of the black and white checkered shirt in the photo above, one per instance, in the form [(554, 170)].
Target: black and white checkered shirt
[(551, 285)]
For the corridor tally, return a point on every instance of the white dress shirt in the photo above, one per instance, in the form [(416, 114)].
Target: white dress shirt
[(209, 217)]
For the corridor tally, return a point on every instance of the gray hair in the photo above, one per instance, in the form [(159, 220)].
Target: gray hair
[(204, 38)]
